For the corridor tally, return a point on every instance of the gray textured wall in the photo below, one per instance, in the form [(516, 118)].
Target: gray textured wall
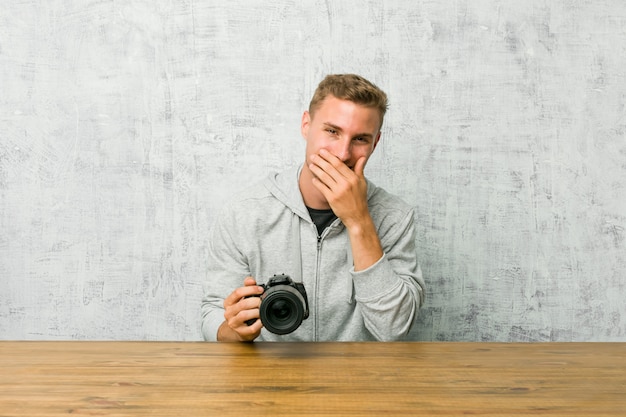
[(125, 124)]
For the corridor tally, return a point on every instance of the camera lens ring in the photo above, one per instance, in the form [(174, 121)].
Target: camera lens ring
[(282, 309)]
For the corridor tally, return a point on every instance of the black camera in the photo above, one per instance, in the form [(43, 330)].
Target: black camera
[(284, 305)]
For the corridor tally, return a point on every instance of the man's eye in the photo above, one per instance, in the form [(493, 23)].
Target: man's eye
[(331, 131)]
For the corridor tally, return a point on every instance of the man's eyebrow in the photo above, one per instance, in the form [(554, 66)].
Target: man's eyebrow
[(339, 129), (327, 124)]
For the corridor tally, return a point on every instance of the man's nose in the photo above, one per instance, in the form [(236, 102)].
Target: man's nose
[(343, 150)]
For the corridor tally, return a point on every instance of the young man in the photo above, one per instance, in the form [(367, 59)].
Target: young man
[(350, 243)]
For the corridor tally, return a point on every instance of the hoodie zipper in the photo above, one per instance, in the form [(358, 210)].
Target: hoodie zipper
[(317, 281), (320, 240)]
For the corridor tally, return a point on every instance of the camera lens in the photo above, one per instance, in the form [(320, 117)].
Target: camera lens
[(282, 309)]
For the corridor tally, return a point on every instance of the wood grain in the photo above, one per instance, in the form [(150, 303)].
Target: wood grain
[(315, 379)]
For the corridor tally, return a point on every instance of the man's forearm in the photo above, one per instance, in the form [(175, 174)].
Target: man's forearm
[(366, 247)]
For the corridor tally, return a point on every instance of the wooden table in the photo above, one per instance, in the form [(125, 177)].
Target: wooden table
[(343, 379)]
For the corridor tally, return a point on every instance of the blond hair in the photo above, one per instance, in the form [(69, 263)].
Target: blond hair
[(353, 88)]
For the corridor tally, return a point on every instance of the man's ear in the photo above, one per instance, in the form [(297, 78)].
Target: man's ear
[(305, 124)]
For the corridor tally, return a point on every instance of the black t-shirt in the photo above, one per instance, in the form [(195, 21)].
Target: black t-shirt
[(321, 218)]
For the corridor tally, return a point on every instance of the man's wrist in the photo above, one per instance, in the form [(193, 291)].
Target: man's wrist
[(226, 334)]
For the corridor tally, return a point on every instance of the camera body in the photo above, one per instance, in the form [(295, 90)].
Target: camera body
[(284, 305)]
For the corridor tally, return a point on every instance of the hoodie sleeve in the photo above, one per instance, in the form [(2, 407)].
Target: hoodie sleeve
[(390, 292), (226, 270)]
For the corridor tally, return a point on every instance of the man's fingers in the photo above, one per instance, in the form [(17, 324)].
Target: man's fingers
[(241, 306), (359, 167), (239, 313), (249, 289), (249, 281), (249, 332), (322, 176), (330, 170)]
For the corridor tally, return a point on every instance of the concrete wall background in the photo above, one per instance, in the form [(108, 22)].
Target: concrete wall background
[(124, 125)]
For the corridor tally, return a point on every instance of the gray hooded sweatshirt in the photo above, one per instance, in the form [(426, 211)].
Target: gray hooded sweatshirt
[(266, 230)]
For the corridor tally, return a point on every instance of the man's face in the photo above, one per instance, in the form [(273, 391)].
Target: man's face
[(347, 130)]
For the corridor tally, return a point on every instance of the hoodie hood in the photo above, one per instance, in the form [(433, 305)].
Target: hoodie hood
[(284, 186)]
